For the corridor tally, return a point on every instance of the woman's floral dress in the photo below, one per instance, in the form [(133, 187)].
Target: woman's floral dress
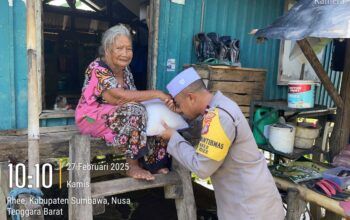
[(121, 126)]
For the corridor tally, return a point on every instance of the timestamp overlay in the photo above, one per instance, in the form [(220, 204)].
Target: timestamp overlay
[(53, 205)]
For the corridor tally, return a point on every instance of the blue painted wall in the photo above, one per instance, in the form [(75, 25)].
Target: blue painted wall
[(56, 122), (13, 75), (13, 62), (178, 24)]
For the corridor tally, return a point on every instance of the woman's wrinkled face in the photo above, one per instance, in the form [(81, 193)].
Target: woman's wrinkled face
[(121, 53)]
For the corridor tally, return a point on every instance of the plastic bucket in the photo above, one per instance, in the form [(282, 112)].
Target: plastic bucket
[(301, 94), (282, 137), (305, 137)]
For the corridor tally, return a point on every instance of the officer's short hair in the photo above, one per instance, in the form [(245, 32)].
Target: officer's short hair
[(196, 86)]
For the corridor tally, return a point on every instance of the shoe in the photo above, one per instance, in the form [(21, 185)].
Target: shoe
[(204, 47), (224, 48), (234, 51), (214, 37), (197, 46), (328, 188)]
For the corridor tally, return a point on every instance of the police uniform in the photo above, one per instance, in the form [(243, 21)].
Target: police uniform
[(227, 152)]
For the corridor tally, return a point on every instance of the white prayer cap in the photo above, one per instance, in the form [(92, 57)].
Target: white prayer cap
[(182, 80)]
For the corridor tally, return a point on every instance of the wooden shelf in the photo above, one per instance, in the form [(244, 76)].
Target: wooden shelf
[(296, 154), (57, 114), (283, 105)]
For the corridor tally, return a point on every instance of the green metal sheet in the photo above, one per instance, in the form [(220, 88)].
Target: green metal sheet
[(13, 62), (6, 77), (20, 64), (179, 23), (322, 97)]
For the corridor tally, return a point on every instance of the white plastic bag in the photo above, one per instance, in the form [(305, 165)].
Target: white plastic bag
[(157, 112)]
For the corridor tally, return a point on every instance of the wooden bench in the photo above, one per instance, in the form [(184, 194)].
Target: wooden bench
[(64, 141), (177, 184)]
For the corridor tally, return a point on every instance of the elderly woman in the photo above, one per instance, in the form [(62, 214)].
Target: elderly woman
[(110, 107)]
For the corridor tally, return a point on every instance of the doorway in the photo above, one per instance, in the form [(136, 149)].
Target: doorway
[(72, 31)]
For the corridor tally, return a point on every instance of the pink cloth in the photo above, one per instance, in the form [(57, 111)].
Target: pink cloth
[(121, 126), (345, 206), (89, 114), (94, 111)]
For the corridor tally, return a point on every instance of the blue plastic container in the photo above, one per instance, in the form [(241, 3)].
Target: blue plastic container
[(333, 174)]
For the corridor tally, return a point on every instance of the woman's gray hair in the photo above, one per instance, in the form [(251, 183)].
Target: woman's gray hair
[(109, 36)]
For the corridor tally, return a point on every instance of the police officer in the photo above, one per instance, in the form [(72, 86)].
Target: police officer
[(227, 152)]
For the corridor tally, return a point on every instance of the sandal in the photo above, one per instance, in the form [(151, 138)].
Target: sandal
[(328, 188)]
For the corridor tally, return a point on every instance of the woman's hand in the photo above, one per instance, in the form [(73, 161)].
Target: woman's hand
[(163, 96), (170, 103), (119, 96), (166, 135)]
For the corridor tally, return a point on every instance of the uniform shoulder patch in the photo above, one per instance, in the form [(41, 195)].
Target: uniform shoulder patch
[(214, 142)]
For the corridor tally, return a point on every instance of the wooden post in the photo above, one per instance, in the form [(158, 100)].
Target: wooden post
[(186, 206), (321, 73), (98, 209), (153, 43), (4, 177), (2, 204), (33, 96), (341, 131), (79, 154), (34, 105), (173, 192), (315, 211), (39, 53), (4, 188), (332, 216), (295, 205)]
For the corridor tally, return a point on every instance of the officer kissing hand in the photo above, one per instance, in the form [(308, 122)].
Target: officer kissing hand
[(166, 135), (170, 103)]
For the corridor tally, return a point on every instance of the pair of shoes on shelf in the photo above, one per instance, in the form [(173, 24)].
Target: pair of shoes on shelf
[(204, 47), (231, 49), (216, 50)]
